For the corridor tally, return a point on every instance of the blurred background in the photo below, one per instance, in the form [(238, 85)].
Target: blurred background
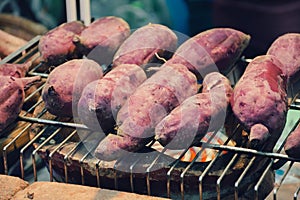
[(263, 20)]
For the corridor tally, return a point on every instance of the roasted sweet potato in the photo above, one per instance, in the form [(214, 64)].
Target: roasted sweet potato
[(197, 115), (292, 144), (216, 49), (156, 97), (260, 97), (15, 70), (103, 36), (150, 103), (142, 45), (65, 84), (286, 49), (101, 99), (113, 147), (12, 97), (9, 43), (56, 46), (36, 128), (19, 71)]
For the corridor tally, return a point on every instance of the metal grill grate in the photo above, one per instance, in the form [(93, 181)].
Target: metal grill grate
[(69, 161)]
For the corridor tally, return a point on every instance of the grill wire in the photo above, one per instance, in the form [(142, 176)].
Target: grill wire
[(273, 160)]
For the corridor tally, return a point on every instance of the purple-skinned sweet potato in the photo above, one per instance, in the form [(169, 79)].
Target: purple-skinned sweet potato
[(260, 97), (156, 97), (56, 46), (103, 37), (65, 84), (101, 99), (15, 70), (216, 49), (197, 115), (142, 45), (286, 49), (12, 97), (113, 147), (292, 144), (147, 106), (19, 71)]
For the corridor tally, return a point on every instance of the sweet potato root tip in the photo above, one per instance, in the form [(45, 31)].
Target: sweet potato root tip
[(292, 145), (29, 81), (259, 134)]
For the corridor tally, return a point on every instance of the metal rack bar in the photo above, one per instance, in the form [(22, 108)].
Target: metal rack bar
[(38, 148), (53, 122), (27, 146), (201, 178), (256, 187), (55, 150), (81, 166), (253, 152), (97, 173), (131, 167), (13, 142), (30, 96), (191, 163), (170, 172), (66, 158), (277, 187), (148, 170), (296, 194), (21, 51), (81, 161), (219, 180), (33, 71), (242, 176), (73, 151), (269, 166), (115, 176)]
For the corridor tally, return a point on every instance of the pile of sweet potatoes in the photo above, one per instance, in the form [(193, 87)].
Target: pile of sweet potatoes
[(134, 108), (174, 82), (73, 39)]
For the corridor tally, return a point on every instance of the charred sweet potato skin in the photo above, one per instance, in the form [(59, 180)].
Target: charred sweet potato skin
[(142, 45), (101, 99), (259, 134), (286, 49), (57, 46), (65, 84), (216, 49)]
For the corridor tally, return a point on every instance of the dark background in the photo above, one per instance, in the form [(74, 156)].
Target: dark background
[(263, 20)]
